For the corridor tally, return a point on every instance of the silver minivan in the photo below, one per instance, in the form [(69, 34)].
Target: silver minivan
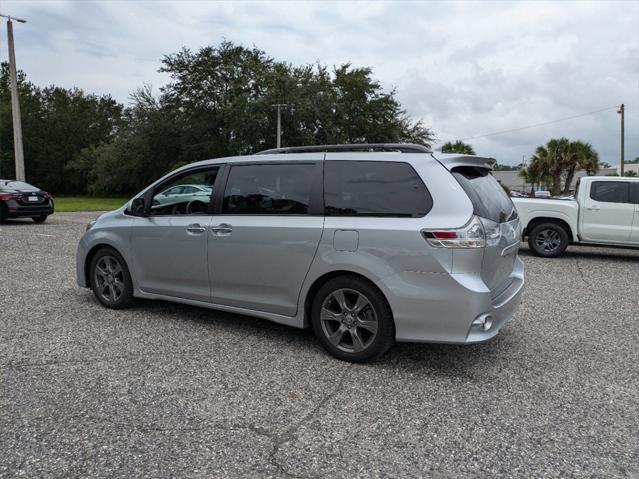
[(367, 244)]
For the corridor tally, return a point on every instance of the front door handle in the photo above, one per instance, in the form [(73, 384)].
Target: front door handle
[(195, 228), (223, 229), (593, 208)]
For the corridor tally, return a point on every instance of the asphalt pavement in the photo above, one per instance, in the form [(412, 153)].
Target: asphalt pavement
[(166, 390)]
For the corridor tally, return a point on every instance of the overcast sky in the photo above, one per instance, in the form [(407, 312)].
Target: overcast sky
[(465, 68)]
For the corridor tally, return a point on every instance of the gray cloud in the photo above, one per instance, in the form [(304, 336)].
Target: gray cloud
[(464, 68)]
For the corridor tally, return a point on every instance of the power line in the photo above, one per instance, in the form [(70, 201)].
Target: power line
[(539, 124)]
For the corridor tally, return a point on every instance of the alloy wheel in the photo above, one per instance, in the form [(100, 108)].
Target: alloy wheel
[(348, 320), (109, 279), (548, 240)]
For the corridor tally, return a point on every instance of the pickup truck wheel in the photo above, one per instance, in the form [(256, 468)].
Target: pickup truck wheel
[(548, 240)]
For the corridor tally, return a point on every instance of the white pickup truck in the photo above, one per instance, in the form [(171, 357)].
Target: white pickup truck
[(605, 211)]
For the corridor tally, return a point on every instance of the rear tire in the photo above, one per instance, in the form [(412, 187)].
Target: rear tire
[(40, 219), (110, 279), (352, 319), (548, 240)]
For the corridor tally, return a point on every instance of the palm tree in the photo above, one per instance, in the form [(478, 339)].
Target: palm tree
[(561, 158), (550, 159), (582, 156), (458, 147)]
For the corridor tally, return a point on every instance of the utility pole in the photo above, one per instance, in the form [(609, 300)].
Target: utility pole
[(279, 122), (15, 103), (621, 111)]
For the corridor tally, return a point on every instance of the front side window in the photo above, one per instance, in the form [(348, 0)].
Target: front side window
[(275, 189), (374, 188), (610, 191), (187, 194)]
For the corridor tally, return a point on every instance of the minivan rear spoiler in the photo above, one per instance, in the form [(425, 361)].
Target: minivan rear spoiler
[(451, 160)]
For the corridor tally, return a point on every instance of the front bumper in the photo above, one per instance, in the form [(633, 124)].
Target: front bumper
[(80, 260), (440, 308)]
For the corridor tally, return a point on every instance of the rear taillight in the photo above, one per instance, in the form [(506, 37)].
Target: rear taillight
[(49, 196), (478, 233), (9, 196)]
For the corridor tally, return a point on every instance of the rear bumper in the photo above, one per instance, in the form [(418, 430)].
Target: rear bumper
[(12, 209), (441, 308), (503, 307)]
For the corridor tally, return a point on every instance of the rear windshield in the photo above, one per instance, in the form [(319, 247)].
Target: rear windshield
[(487, 195), (17, 185)]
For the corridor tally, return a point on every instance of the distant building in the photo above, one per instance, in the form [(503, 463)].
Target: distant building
[(514, 182), (628, 167)]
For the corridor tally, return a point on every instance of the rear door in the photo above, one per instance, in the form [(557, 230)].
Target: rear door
[(607, 212), (262, 243), (501, 222)]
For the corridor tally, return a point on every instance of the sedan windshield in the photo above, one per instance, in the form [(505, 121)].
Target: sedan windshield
[(17, 185)]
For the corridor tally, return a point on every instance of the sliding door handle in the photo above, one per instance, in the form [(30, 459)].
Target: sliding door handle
[(223, 229)]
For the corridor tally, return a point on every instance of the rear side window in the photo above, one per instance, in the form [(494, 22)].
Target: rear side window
[(610, 191), (274, 189), (374, 188), (489, 199)]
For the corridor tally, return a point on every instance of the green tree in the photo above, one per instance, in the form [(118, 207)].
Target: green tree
[(579, 156), (458, 147), (225, 94), (57, 124), (560, 158)]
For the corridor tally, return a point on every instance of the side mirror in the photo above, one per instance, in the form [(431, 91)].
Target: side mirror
[(138, 206), (141, 206)]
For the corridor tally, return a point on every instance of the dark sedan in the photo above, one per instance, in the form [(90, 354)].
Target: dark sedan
[(19, 199)]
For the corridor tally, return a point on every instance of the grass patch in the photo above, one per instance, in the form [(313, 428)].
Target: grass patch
[(87, 203)]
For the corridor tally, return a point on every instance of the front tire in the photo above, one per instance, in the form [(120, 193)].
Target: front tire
[(110, 279), (352, 319), (40, 219), (548, 240)]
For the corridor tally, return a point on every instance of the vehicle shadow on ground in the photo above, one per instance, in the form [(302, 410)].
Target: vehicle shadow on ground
[(18, 222), (615, 253), (420, 358)]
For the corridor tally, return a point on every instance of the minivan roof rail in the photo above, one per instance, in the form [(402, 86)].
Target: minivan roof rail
[(401, 147)]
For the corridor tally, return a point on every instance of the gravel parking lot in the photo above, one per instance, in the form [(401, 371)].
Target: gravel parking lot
[(165, 390)]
